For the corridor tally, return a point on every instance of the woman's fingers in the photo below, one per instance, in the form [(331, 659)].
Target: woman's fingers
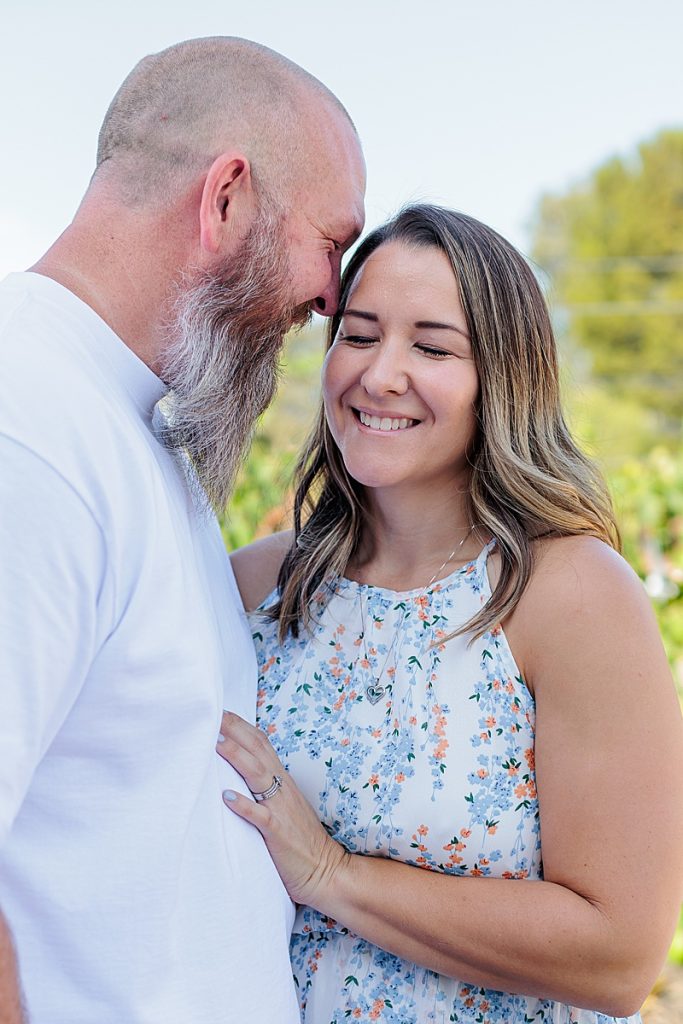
[(249, 751), (244, 807), (250, 767), (303, 852), (247, 735)]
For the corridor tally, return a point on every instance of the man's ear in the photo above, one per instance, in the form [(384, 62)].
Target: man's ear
[(227, 200)]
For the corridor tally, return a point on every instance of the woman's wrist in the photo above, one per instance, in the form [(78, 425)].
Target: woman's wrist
[(332, 885)]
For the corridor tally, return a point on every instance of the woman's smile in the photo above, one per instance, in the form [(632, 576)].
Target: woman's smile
[(384, 422), (401, 370)]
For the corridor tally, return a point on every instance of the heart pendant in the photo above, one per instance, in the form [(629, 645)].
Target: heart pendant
[(375, 693)]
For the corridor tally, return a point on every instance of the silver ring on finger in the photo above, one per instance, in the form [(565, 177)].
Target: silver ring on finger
[(271, 791)]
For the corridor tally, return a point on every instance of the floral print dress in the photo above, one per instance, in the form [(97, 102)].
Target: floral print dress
[(413, 749)]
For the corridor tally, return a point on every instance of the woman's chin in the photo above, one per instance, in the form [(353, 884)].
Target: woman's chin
[(375, 478)]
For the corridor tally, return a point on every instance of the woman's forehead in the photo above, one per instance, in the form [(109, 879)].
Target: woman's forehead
[(399, 276)]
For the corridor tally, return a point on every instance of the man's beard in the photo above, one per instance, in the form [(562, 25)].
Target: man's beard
[(221, 358)]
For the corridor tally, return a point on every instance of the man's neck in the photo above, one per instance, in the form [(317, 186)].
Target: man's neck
[(125, 274)]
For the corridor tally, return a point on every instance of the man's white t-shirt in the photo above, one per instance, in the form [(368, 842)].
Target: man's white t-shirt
[(133, 894)]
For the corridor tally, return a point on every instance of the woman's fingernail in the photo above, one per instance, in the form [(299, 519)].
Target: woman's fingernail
[(221, 737), (229, 795)]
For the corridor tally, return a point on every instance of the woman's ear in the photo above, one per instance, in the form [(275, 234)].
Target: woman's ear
[(227, 201)]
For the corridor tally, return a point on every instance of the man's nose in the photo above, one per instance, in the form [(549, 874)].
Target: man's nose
[(327, 303)]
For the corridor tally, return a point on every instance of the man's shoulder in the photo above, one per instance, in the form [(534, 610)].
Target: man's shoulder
[(43, 354), (55, 398)]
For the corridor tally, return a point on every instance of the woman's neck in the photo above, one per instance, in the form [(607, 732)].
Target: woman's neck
[(410, 539)]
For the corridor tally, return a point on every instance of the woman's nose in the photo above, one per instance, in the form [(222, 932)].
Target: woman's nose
[(385, 372)]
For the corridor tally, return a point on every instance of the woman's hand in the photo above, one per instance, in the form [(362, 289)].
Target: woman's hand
[(306, 858)]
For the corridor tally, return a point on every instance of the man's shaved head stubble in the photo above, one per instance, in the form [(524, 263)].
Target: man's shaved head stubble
[(178, 109), (174, 114)]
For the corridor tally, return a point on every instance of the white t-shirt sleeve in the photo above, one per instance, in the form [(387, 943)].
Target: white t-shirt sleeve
[(52, 571)]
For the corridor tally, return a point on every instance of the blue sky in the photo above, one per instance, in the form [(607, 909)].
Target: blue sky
[(480, 105)]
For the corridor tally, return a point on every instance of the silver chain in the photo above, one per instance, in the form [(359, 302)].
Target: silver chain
[(375, 690)]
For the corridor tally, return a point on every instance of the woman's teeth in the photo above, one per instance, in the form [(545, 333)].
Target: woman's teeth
[(384, 423)]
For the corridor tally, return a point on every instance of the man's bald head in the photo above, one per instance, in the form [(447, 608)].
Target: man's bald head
[(229, 184), (178, 109)]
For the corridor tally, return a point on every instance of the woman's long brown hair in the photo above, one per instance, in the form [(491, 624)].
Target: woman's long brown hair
[(528, 477)]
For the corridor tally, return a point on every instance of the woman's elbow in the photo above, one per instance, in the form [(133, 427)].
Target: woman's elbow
[(624, 1005), (626, 988)]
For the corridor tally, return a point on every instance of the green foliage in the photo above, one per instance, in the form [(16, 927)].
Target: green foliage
[(613, 247), (648, 495), (613, 250), (612, 429), (259, 494), (676, 951), (261, 502)]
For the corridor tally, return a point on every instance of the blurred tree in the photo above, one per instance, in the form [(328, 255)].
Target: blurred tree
[(648, 497), (613, 248), (262, 501)]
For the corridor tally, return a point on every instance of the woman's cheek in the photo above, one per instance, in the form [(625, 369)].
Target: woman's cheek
[(332, 391)]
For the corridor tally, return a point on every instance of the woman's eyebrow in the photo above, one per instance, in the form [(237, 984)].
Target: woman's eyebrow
[(429, 325), (360, 313), (425, 325)]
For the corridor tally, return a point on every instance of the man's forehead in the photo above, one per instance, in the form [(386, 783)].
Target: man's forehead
[(338, 152), (334, 207), (331, 181), (350, 216), (348, 199)]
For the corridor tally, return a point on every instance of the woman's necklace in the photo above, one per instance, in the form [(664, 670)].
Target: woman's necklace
[(375, 688)]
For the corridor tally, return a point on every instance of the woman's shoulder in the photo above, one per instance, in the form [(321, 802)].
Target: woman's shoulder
[(578, 567), (579, 576), (581, 592), (256, 566)]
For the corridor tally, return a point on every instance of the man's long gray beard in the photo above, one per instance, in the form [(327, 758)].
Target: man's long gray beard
[(221, 360)]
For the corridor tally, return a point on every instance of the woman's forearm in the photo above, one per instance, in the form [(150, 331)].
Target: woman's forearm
[(532, 937), (593, 934)]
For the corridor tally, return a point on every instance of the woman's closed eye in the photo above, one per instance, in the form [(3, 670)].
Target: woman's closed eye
[(433, 352), (358, 339)]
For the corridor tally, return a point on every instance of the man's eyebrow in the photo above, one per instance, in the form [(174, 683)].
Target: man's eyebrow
[(349, 234)]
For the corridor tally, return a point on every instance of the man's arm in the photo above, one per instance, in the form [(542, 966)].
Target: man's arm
[(52, 566), (10, 998), (52, 558)]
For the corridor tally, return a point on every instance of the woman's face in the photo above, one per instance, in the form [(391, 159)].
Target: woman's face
[(399, 382)]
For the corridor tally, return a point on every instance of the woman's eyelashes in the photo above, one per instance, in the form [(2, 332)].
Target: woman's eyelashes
[(429, 350), (357, 339), (436, 353)]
